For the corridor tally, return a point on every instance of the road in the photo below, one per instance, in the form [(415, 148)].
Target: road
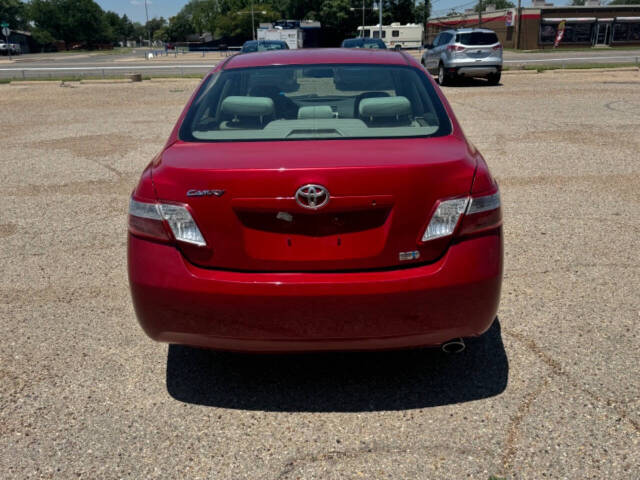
[(551, 391), (99, 65)]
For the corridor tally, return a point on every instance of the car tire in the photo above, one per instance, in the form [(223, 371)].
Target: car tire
[(443, 78), (494, 78)]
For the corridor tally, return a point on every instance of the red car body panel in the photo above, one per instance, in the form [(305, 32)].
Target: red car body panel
[(177, 302), (331, 279)]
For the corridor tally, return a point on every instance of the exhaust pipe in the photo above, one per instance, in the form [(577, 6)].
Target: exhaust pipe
[(453, 346)]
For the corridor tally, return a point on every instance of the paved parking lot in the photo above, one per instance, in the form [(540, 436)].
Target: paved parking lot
[(551, 391)]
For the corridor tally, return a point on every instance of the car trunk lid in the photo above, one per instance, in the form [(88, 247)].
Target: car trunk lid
[(381, 194)]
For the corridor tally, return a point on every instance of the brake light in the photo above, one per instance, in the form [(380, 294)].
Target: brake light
[(455, 48), (161, 220), (475, 213), (497, 47), (484, 213)]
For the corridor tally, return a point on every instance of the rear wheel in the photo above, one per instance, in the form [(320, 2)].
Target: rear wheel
[(443, 78), (494, 78)]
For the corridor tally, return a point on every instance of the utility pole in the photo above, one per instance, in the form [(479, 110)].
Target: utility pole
[(146, 11), (380, 19), (519, 13), (253, 26), (479, 13)]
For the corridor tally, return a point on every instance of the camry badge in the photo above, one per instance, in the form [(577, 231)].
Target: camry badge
[(312, 196), (205, 193)]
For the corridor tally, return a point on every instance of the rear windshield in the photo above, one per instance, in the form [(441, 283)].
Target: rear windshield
[(263, 46), (477, 38), (315, 102)]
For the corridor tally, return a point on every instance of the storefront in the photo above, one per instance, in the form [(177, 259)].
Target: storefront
[(538, 27)]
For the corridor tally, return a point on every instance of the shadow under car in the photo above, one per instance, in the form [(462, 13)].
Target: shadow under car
[(339, 382)]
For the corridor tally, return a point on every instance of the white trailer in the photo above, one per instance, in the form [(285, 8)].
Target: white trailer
[(396, 35), (292, 36)]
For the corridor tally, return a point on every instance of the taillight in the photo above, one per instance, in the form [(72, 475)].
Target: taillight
[(445, 218), (455, 48), (497, 47), (151, 220), (475, 213), (484, 213)]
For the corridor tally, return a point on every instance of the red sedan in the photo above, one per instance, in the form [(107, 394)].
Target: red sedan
[(316, 200)]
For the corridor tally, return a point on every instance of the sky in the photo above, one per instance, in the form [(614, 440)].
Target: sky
[(167, 8), (135, 8)]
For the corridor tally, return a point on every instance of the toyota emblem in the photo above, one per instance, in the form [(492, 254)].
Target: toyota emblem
[(312, 196)]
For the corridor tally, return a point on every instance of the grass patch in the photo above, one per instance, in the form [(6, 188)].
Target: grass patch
[(78, 78), (577, 66), (115, 51), (573, 49)]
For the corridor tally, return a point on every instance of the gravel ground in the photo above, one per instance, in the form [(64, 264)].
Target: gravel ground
[(551, 391)]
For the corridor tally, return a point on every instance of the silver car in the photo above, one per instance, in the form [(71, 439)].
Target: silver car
[(468, 52)]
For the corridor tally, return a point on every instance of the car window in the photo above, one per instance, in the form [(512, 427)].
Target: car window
[(477, 38), (436, 41), (315, 102)]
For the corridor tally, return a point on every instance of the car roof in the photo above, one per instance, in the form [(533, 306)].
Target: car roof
[(314, 56)]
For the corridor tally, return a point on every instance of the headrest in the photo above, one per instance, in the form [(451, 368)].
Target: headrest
[(247, 106), (384, 107), (320, 111)]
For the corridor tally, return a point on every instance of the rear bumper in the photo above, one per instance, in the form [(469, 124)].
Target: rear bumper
[(477, 71), (177, 302), (474, 69)]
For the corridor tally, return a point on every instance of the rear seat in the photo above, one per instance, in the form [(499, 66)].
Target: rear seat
[(246, 112), (385, 111), (320, 111)]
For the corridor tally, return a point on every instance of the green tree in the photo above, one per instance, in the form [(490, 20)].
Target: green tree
[(577, 3), (13, 12), (179, 28), (155, 24), (499, 4), (423, 11), (402, 11), (624, 2), (202, 14), (71, 21)]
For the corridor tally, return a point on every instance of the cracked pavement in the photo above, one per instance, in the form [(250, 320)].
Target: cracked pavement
[(551, 391)]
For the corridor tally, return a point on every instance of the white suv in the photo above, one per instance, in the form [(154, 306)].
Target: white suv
[(469, 52)]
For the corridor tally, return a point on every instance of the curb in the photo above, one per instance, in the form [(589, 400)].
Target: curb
[(34, 82), (519, 72), (109, 80)]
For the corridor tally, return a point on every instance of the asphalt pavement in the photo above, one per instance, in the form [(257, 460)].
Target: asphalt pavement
[(551, 391)]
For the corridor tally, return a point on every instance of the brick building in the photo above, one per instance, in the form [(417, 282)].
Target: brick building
[(595, 25)]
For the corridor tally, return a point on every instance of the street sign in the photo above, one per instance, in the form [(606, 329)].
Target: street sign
[(6, 31), (4, 24)]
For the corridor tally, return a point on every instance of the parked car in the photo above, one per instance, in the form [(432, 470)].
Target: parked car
[(468, 52), (363, 42), (16, 49), (324, 218), (263, 45)]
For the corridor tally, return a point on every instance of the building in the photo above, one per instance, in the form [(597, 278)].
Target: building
[(536, 28)]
